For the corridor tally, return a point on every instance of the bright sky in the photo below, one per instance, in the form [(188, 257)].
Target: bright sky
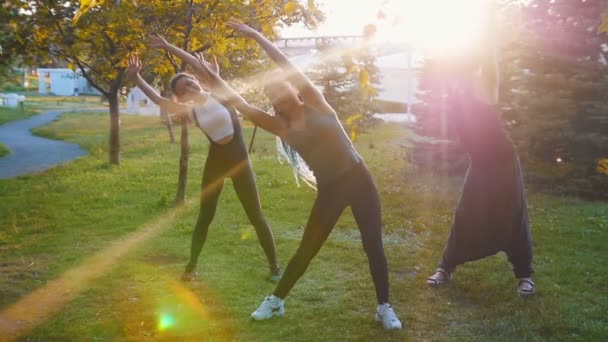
[(428, 23)]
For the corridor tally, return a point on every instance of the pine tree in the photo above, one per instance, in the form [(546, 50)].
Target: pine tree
[(436, 148), (553, 95), (350, 84)]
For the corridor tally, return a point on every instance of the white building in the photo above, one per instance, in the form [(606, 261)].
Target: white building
[(64, 82), (139, 103), (399, 78)]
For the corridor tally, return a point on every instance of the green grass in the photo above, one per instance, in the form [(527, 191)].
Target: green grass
[(35, 104), (8, 114), (4, 151), (51, 222)]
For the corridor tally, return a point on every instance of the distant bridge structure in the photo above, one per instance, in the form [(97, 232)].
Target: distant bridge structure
[(300, 45)]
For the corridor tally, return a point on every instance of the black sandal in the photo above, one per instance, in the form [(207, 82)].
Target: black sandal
[(525, 292), (438, 282)]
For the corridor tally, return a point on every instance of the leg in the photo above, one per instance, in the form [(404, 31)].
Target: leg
[(325, 213), (365, 206), (520, 251), (211, 187), (247, 191)]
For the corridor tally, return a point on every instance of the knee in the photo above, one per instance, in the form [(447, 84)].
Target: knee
[(258, 221), (304, 255), (204, 219)]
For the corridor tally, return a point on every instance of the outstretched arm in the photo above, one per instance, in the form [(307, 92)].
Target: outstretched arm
[(219, 87), (133, 69), (310, 94), (158, 42)]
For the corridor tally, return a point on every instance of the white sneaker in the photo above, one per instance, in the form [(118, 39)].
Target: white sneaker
[(388, 318), (271, 306)]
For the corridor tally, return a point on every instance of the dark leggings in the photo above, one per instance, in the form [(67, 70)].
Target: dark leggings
[(357, 190), (216, 170)]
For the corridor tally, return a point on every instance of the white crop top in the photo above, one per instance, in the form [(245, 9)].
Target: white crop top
[(214, 119)]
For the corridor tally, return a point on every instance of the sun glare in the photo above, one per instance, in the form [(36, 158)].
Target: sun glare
[(445, 25)]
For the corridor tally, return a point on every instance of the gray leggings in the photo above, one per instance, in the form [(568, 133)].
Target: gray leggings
[(357, 190)]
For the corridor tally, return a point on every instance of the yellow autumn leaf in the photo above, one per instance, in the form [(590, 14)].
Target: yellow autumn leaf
[(353, 68), (603, 28), (290, 7), (351, 119), (602, 166), (85, 5), (364, 78)]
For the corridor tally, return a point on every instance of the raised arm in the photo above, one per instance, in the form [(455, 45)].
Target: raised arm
[(133, 69), (219, 87), (158, 42), (309, 93)]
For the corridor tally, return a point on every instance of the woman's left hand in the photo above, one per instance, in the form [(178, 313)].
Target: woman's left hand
[(210, 72), (158, 42)]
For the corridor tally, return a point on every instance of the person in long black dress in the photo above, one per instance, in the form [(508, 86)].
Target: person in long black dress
[(492, 214)]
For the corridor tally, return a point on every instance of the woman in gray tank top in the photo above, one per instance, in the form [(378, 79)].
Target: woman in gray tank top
[(310, 126)]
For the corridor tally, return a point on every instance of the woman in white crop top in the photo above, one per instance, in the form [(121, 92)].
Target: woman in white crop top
[(227, 155)]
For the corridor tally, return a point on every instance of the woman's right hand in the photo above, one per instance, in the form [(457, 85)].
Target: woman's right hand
[(158, 42), (133, 66), (242, 28)]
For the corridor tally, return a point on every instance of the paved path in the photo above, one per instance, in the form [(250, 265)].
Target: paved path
[(30, 153)]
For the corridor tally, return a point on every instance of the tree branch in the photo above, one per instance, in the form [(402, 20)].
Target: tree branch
[(89, 79)]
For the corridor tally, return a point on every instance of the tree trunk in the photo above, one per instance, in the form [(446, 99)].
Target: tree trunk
[(114, 147), (180, 195), (166, 118)]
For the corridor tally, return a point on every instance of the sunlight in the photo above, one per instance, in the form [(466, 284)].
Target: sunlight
[(437, 25)]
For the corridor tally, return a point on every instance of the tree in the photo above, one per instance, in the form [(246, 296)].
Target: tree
[(436, 148), (97, 45), (553, 94), (349, 80), (199, 26), (13, 45)]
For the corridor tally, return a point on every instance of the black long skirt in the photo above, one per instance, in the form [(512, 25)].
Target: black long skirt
[(492, 214)]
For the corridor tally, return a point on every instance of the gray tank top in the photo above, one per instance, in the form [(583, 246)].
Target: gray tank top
[(324, 146)]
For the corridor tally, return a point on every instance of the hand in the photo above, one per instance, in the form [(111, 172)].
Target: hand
[(158, 42), (133, 66), (210, 72), (210, 77), (240, 27), (215, 67)]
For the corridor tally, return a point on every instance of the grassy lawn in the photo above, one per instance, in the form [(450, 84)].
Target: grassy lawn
[(52, 222), (3, 150), (8, 114), (35, 103)]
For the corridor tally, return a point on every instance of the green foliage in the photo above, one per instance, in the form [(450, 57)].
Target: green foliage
[(553, 95), (8, 114), (3, 150), (13, 32), (349, 81), (200, 26), (436, 148)]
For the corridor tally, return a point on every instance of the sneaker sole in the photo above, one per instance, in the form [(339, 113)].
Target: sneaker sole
[(379, 320), (278, 314)]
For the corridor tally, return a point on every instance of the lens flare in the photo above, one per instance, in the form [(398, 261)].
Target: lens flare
[(165, 321)]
